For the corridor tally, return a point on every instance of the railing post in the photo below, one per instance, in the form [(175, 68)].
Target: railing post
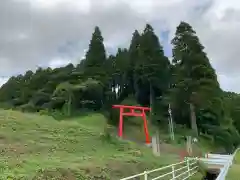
[(145, 175), (188, 167), (173, 172)]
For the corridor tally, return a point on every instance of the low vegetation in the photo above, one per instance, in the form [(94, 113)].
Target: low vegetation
[(233, 172), (142, 73), (81, 146), (39, 147)]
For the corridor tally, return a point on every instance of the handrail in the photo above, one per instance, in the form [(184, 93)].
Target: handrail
[(190, 171), (226, 167)]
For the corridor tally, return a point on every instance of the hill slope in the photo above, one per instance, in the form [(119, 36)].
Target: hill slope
[(38, 147)]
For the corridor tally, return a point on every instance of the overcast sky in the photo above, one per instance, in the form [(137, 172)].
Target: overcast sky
[(55, 32)]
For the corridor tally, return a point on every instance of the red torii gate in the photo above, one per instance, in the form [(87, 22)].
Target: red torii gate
[(133, 113)]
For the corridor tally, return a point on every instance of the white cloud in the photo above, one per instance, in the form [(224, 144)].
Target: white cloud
[(3, 80), (52, 32), (58, 63), (82, 5)]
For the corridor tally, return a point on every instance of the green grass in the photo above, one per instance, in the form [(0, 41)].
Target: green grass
[(38, 147), (234, 172), (197, 176)]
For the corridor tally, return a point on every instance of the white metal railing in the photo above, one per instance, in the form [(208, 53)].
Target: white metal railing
[(182, 170), (214, 161), (226, 167)]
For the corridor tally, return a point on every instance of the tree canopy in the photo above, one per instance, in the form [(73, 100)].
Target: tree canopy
[(188, 83)]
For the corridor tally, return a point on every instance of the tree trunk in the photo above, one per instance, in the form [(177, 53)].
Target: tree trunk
[(152, 96), (193, 120), (69, 105)]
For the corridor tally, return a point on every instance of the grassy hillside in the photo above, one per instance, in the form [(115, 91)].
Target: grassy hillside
[(38, 147), (233, 173)]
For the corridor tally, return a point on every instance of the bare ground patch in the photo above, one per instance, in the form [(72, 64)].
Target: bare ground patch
[(55, 174)]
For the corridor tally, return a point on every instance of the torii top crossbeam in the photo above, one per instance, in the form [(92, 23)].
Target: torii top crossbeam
[(132, 107), (133, 113)]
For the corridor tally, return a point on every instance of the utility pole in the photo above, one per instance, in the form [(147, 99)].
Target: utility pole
[(171, 130)]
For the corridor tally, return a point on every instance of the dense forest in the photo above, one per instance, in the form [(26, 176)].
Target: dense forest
[(188, 83)]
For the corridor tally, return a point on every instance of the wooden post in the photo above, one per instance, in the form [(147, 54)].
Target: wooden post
[(189, 145), (156, 144)]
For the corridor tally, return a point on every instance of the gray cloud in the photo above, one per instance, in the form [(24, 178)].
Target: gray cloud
[(33, 36), (34, 33)]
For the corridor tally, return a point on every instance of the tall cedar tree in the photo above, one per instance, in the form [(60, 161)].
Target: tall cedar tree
[(133, 58), (121, 66), (143, 69), (152, 67), (95, 57), (195, 80)]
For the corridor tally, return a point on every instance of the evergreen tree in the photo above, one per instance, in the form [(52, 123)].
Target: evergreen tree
[(95, 57), (121, 66), (195, 81), (232, 102), (65, 92), (193, 90), (152, 69), (133, 58)]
